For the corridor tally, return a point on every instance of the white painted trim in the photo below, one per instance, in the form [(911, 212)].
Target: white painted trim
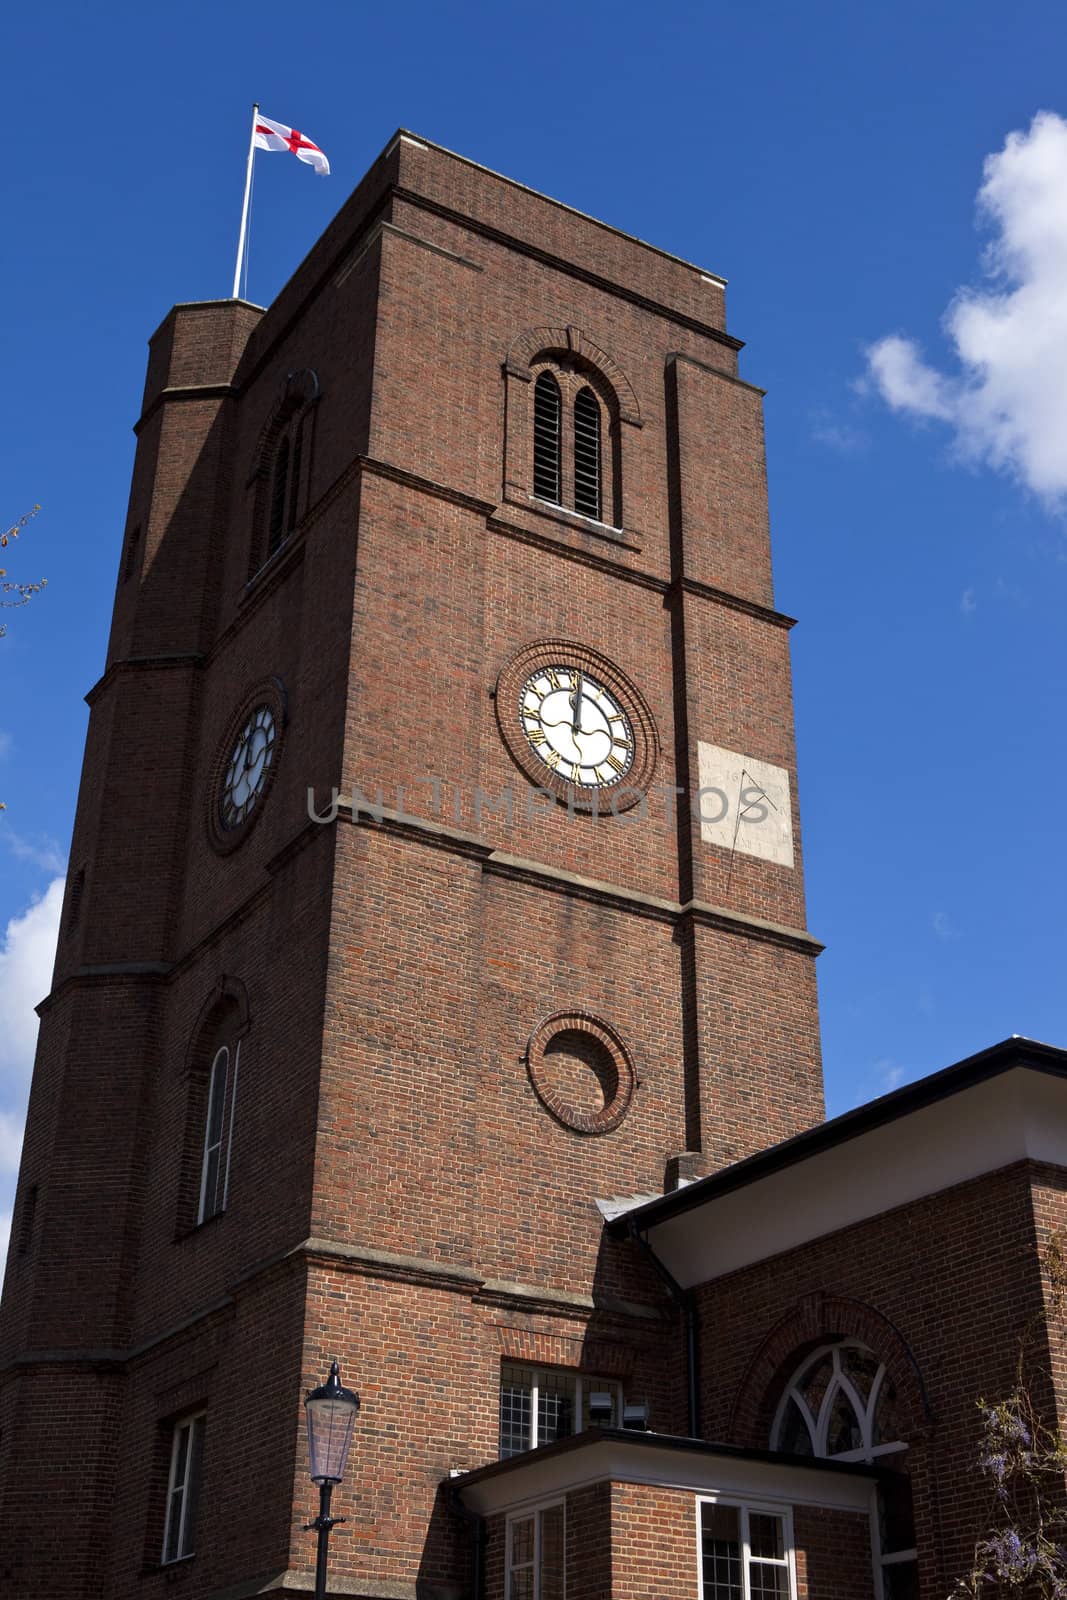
[(229, 1131), (546, 1474), (189, 1422), (585, 1383), (745, 1508), (1017, 1115), (525, 1515), (580, 516), (202, 1212)]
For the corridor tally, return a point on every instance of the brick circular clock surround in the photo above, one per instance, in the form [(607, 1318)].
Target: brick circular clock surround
[(622, 741), (581, 1071), (245, 764)]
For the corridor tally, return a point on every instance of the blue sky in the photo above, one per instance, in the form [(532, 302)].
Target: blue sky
[(827, 159)]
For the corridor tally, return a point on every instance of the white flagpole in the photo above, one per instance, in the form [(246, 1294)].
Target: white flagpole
[(244, 208)]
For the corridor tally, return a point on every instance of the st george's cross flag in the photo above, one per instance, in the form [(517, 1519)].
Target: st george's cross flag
[(268, 135)]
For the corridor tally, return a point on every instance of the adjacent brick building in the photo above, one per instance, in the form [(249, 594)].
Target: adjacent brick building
[(434, 991)]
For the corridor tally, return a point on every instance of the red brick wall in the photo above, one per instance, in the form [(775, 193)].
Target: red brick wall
[(945, 1314), (833, 1554), (394, 976)]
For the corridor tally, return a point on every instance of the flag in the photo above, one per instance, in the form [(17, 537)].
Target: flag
[(270, 135)]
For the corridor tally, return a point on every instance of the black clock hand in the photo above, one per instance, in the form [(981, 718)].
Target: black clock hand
[(576, 705)]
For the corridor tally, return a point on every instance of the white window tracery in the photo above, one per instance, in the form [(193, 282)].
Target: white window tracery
[(840, 1403)]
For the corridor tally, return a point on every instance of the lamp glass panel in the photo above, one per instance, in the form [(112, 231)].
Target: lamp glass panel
[(330, 1425)]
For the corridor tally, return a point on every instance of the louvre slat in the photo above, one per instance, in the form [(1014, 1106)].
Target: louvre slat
[(587, 454), (548, 411)]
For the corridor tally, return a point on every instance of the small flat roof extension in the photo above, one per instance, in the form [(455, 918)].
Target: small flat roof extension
[(664, 1460), (1005, 1104)]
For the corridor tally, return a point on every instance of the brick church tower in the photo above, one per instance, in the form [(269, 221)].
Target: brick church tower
[(436, 875)]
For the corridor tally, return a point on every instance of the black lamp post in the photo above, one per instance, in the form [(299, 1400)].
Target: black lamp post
[(331, 1414)]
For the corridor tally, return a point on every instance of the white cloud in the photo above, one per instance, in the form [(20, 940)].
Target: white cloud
[(1007, 404), (968, 602), (26, 957), (10, 1141), (5, 744), (942, 925), (890, 1073), (836, 434), (43, 852)]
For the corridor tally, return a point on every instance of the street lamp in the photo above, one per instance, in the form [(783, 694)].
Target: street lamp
[(331, 1414)]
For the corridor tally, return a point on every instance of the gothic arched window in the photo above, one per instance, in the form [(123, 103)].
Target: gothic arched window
[(841, 1403)]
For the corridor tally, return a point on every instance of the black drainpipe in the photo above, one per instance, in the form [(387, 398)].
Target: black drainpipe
[(686, 1301), (476, 1524)]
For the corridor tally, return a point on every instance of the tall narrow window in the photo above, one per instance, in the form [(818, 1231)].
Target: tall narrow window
[(279, 499), (294, 475), (536, 1559), (183, 1488), (548, 414), (218, 1132), (587, 494)]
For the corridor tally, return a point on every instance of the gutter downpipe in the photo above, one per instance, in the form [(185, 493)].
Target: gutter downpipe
[(686, 1301), (476, 1523)]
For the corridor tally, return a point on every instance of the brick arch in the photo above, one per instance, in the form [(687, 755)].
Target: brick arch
[(295, 393), (815, 1320), (228, 995), (572, 341)]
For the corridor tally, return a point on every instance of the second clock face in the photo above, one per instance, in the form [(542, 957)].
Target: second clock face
[(246, 771), (575, 726)]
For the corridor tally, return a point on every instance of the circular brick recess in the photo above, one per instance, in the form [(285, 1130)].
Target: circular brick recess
[(581, 1071), (270, 695)]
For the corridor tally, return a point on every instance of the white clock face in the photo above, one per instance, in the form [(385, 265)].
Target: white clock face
[(246, 772), (576, 726)]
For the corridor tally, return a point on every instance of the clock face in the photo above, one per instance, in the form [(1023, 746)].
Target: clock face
[(575, 725), (246, 771)]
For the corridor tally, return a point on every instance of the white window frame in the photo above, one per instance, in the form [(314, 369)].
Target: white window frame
[(818, 1427), (584, 1385), (533, 1513), (210, 1205), (865, 1413), (744, 1509), (194, 1426)]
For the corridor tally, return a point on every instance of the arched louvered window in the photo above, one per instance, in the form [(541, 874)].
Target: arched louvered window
[(548, 416), (587, 493), (278, 525)]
